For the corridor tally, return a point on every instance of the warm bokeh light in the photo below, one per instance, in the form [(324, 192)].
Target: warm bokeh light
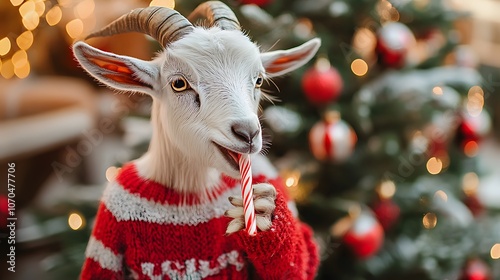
[(7, 70), (22, 71), (5, 46), (25, 40), (322, 64), (429, 221), (471, 148), (111, 173), (19, 58), (475, 101), (292, 179), (386, 189), (386, 11), (26, 8), (54, 16), (364, 42), (74, 28), (39, 7), (75, 221), (65, 3), (495, 251), (85, 9), (470, 183), (31, 20), (359, 67), (437, 90), (441, 195), (340, 227), (16, 2), (434, 165), (163, 3)]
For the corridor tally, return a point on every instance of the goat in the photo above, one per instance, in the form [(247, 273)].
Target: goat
[(175, 213)]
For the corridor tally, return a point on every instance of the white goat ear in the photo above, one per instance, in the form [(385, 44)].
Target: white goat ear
[(281, 62), (117, 71)]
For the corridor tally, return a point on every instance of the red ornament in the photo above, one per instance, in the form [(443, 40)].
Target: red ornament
[(474, 127), (474, 205), (476, 269), (393, 43), (365, 237), (332, 139), (4, 211), (387, 212), (259, 3), (322, 83)]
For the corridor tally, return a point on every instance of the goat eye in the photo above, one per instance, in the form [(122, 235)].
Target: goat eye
[(259, 82), (180, 84)]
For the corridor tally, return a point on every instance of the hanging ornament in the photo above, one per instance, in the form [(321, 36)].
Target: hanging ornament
[(476, 269), (322, 83), (332, 138), (394, 40), (384, 208), (471, 130), (260, 3), (4, 211), (365, 237), (470, 186)]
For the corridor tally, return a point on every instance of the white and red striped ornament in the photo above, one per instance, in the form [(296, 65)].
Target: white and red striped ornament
[(247, 194), (332, 139)]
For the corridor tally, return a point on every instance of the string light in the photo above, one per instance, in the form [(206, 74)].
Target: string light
[(25, 40), (495, 251), (5, 46), (76, 221), (434, 165), (429, 221), (292, 179), (54, 15), (386, 189), (471, 148), (7, 70), (475, 101), (39, 7), (437, 90), (16, 3), (74, 28), (31, 20), (470, 183), (22, 71), (359, 67), (441, 195), (84, 9), (111, 173), (163, 3), (26, 8)]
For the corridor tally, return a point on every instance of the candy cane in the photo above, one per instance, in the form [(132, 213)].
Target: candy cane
[(247, 194)]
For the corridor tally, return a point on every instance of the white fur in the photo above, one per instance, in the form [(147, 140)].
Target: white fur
[(221, 67)]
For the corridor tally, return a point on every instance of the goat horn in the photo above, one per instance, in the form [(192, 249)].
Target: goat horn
[(217, 13), (163, 24)]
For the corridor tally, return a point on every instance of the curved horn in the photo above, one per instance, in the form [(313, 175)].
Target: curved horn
[(217, 13), (163, 24)]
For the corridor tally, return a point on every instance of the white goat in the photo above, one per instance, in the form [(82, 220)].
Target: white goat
[(205, 87)]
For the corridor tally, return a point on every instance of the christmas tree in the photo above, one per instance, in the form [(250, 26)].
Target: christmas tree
[(376, 140)]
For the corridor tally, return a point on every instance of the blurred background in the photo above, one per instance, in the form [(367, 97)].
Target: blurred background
[(388, 140)]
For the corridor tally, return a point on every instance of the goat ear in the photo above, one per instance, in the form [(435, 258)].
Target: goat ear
[(117, 71), (281, 62)]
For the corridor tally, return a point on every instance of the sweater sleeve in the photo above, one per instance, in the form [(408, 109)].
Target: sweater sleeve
[(103, 259), (287, 249)]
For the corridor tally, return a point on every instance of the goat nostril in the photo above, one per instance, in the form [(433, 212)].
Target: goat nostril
[(244, 132)]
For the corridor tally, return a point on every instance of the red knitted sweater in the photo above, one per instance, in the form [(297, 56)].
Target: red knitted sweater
[(145, 230)]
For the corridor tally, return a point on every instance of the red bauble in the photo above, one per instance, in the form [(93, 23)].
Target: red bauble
[(393, 43), (322, 83), (332, 139), (259, 3), (474, 204), (365, 237), (474, 127), (387, 212), (476, 269)]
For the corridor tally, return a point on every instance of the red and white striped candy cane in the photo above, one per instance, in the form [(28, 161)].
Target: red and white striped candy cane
[(247, 194)]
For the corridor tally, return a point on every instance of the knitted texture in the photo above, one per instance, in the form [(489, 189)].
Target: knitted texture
[(144, 230)]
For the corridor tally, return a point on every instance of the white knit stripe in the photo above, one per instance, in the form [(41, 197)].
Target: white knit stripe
[(126, 206), (103, 255)]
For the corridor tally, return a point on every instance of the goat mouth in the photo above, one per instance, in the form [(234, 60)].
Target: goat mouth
[(230, 156)]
